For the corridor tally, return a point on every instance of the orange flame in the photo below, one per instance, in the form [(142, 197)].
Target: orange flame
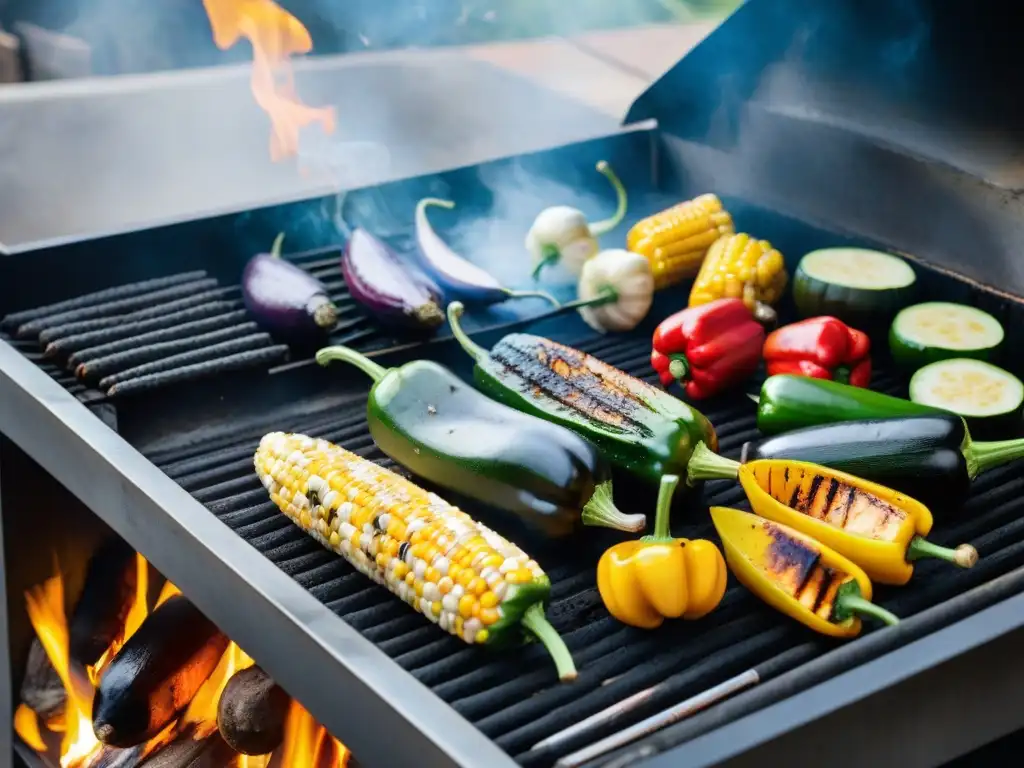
[(26, 725), (275, 36), (308, 743), (133, 620)]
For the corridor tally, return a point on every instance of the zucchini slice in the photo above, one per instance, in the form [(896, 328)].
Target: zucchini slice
[(861, 287), (991, 399), (939, 330)]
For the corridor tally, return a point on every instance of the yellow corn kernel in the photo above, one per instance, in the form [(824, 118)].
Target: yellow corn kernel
[(393, 531), (740, 267), (676, 240)]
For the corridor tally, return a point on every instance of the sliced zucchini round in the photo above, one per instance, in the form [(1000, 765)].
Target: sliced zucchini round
[(861, 287), (991, 399), (938, 330)]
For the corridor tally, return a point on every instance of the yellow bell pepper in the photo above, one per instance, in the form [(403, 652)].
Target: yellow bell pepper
[(646, 581), (797, 575), (876, 527)]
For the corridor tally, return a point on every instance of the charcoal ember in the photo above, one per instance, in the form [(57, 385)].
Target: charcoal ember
[(114, 757), (252, 711), (189, 750), (106, 599), (42, 690)]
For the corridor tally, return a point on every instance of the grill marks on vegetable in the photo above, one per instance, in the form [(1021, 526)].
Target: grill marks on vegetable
[(147, 335), (800, 574), (832, 501), (576, 380)]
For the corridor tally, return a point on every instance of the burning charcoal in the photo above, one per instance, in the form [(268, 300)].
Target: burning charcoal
[(107, 597), (252, 712), (188, 752), (35, 327), (41, 690), (113, 757), (119, 292)]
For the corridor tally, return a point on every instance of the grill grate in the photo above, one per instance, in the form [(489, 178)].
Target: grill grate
[(513, 697), (142, 336)]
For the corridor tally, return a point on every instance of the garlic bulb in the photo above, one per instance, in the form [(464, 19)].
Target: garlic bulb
[(561, 234), (616, 290)]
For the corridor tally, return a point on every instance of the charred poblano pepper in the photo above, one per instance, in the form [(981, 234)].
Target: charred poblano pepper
[(636, 426), (797, 575), (427, 419), (879, 529), (931, 458)]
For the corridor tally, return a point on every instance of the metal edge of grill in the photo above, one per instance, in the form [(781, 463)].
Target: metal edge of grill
[(101, 457)]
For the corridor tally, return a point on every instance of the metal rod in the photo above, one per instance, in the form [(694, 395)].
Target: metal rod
[(651, 724)]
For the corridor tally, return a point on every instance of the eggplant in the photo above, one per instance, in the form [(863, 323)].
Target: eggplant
[(453, 274), (156, 673), (284, 299), (107, 597), (252, 711), (393, 293), (929, 458)]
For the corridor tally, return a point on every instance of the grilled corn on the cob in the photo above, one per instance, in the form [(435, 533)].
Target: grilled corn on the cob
[(740, 267), (458, 573), (676, 240)]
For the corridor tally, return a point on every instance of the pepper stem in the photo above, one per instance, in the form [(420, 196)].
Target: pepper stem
[(964, 556), (852, 602), (474, 350), (531, 295), (604, 227), (705, 464), (679, 367), (329, 355), (663, 509), (536, 622), (549, 254), (981, 457), (601, 512), (607, 295), (275, 249), (841, 374)]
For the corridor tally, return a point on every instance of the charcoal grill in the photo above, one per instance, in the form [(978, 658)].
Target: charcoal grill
[(170, 468)]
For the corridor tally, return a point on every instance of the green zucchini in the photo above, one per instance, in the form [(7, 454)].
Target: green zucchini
[(863, 288), (989, 398), (156, 673), (939, 330)]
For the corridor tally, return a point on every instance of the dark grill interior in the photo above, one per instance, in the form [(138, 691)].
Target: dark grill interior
[(514, 697)]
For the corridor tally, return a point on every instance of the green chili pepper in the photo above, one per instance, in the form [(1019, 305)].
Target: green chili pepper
[(427, 419), (636, 426)]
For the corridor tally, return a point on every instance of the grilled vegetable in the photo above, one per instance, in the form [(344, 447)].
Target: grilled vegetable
[(252, 712), (822, 348), (107, 596), (879, 529), (740, 267), (453, 274), (458, 573), (644, 582), (425, 417), (938, 330), (797, 575), (792, 402), (930, 458), (562, 234), (676, 240), (156, 673), (379, 281), (990, 398), (284, 299), (707, 348), (616, 290), (861, 287), (637, 427)]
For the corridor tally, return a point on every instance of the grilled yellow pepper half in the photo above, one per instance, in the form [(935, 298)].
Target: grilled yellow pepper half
[(797, 575), (879, 529), (646, 581)]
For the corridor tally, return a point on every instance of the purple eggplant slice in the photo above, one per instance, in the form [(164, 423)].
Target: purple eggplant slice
[(392, 292), (284, 299), (457, 277)]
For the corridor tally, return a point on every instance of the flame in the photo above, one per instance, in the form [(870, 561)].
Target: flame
[(26, 725), (253, 761), (45, 605), (202, 710), (308, 743), (168, 591), (275, 36), (133, 620)]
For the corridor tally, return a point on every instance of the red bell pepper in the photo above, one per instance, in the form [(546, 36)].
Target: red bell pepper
[(708, 348), (821, 348)]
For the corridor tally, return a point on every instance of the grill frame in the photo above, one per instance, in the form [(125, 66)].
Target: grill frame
[(265, 610)]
